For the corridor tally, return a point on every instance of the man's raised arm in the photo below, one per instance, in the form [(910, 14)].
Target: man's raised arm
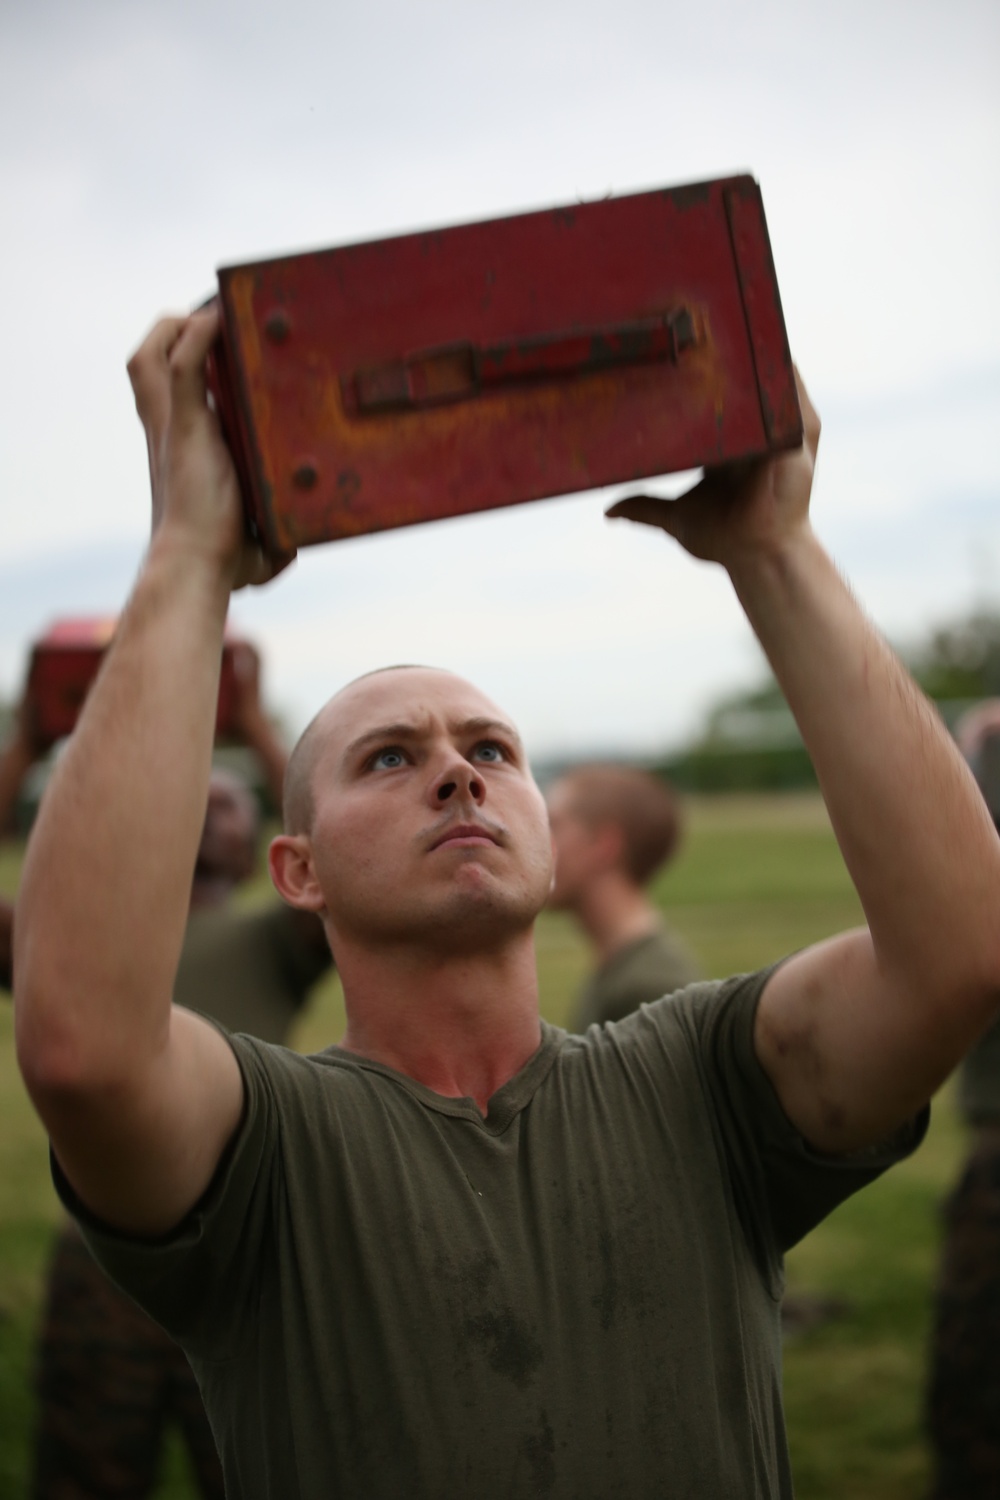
[(140, 1099), (856, 1033)]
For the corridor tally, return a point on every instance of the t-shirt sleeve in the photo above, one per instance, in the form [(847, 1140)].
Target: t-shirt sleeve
[(781, 1186), (179, 1278)]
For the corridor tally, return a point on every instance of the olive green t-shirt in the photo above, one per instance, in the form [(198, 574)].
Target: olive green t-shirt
[(979, 1080), (385, 1294), (654, 965), (249, 968)]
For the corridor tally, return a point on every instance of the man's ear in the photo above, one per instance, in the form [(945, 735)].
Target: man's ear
[(289, 859)]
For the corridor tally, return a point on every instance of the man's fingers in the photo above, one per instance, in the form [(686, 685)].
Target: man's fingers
[(148, 373), (259, 567), (810, 416), (647, 509), (187, 363)]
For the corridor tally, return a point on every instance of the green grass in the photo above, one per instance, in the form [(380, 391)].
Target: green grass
[(757, 878)]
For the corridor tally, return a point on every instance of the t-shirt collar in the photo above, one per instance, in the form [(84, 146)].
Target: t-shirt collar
[(504, 1105)]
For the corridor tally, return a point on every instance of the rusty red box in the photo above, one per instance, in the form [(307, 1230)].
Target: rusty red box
[(65, 662), (433, 374)]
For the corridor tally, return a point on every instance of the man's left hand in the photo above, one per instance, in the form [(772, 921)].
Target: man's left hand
[(742, 509)]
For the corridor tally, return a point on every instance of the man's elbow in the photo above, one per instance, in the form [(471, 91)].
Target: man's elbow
[(53, 1063), (70, 1055)]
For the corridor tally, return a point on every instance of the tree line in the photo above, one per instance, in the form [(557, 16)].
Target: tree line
[(750, 741)]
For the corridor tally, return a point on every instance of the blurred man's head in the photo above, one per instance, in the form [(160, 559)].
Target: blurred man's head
[(227, 853), (609, 818), (411, 816)]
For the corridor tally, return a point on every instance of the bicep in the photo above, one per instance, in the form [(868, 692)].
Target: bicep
[(850, 1056), (139, 1154)]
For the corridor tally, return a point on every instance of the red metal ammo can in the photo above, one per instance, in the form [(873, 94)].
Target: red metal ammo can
[(65, 662), (455, 370)]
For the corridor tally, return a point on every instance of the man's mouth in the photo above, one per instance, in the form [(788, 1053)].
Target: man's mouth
[(464, 835)]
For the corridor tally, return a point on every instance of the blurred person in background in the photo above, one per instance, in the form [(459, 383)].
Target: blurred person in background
[(110, 1380), (19, 753), (463, 1252), (613, 829), (963, 1409)]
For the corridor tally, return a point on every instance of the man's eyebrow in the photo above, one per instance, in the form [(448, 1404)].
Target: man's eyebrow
[(487, 725), (379, 736)]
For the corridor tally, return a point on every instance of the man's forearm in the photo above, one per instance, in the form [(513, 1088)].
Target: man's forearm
[(919, 846), (106, 885)]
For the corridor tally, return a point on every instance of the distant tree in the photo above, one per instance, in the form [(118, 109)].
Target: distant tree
[(750, 742), (961, 659)]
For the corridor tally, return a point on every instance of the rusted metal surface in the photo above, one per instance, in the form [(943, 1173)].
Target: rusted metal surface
[(65, 662), (765, 320), (464, 371), (433, 374)]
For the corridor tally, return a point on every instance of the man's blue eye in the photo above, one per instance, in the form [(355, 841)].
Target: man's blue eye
[(489, 751), (388, 759)]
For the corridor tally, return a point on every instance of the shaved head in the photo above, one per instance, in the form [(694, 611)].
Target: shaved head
[(297, 800)]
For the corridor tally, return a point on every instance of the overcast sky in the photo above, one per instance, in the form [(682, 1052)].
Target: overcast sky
[(143, 145)]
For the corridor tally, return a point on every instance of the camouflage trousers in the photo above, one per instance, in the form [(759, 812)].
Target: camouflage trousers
[(963, 1415), (110, 1382)]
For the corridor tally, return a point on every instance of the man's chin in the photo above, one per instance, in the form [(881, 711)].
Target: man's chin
[(461, 921)]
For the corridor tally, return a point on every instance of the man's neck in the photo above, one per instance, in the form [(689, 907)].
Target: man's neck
[(614, 912), (462, 1025)]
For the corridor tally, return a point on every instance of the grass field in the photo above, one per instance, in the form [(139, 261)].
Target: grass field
[(756, 878)]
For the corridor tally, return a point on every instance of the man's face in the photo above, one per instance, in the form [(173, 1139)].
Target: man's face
[(578, 849), (428, 826), (229, 838)]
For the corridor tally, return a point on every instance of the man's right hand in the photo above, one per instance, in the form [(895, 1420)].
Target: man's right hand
[(196, 496)]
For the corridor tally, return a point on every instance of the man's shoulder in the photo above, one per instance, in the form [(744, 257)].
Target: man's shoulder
[(663, 954), (235, 919), (330, 1082), (653, 965), (699, 1018), (265, 928)]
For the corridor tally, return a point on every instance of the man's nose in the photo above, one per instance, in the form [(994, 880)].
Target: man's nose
[(459, 779)]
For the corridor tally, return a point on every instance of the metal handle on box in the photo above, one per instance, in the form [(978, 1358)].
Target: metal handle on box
[(457, 372)]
